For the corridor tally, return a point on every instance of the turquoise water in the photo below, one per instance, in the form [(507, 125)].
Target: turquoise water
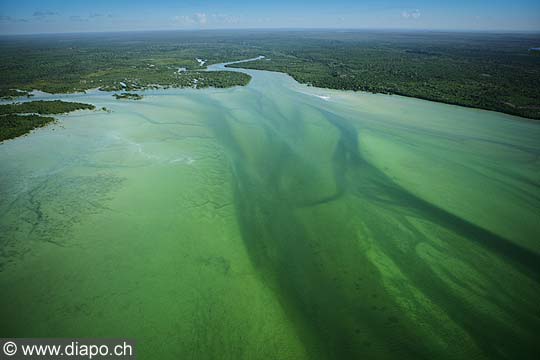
[(275, 221)]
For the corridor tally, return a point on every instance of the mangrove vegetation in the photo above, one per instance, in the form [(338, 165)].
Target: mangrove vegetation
[(482, 70), (20, 118)]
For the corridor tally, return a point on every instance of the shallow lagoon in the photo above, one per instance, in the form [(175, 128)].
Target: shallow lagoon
[(275, 221)]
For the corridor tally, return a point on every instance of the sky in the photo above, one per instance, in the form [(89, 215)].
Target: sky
[(55, 16)]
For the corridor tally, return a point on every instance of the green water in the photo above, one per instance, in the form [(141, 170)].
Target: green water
[(266, 222)]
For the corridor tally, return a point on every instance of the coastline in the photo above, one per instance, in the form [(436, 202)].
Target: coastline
[(37, 95), (425, 98)]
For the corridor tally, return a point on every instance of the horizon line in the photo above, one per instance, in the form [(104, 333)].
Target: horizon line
[(439, 30)]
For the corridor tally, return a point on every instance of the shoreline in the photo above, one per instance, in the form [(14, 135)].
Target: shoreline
[(37, 95), (225, 66), (389, 93)]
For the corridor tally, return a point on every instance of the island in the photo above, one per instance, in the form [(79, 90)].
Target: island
[(128, 96), (20, 118)]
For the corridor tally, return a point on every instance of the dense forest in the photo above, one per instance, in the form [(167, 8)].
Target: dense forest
[(20, 118), (12, 125), (483, 70), (114, 62), (43, 107)]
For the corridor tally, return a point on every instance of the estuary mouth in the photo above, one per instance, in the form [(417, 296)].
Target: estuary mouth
[(249, 216)]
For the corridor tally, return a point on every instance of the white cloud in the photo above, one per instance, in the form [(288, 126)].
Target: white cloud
[(44, 13), (78, 18), (411, 14), (224, 19), (199, 19), (203, 19), (9, 19)]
